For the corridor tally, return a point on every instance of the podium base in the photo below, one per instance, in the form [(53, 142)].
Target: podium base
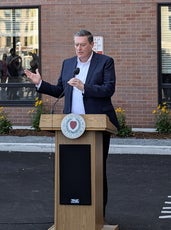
[(105, 227)]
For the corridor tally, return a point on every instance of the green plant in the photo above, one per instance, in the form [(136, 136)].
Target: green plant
[(162, 118), (5, 123), (124, 130), (39, 109)]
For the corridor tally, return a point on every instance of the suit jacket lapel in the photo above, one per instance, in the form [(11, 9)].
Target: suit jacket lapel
[(93, 65), (68, 96), (73, 65)]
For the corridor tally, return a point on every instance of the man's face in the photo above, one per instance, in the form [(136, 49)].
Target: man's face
[(83, 48)]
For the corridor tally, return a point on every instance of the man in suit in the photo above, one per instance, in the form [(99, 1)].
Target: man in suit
[(88, 92)]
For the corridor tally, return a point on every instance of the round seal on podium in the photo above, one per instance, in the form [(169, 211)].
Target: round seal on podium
[(73, 126)]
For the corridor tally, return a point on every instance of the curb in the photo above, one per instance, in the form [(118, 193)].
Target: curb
[(27, 147), (113, 149), (140, 149)]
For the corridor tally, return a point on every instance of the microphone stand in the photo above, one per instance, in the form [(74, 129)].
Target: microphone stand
[(53, 107)]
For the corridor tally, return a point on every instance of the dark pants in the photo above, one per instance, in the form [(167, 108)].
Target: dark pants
[(106, 143)]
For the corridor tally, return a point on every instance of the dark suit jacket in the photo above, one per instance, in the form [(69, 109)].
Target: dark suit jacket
[(98, 89)]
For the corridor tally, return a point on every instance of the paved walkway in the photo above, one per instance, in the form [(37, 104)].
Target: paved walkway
[(117, 145)]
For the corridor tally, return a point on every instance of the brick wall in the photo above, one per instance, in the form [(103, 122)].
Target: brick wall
[(129, 28)]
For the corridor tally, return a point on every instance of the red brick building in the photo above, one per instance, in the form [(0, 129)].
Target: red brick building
[(131, 35)]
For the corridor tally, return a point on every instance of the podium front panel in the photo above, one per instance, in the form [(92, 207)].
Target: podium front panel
[(75, 174), (80, 217)]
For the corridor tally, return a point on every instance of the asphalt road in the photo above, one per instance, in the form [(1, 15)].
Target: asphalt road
[(139, 186), (26, 190), (139, 191)]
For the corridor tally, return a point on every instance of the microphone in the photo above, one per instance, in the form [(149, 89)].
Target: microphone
[(75, 72)]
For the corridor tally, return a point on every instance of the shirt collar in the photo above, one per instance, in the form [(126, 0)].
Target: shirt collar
[(78, 60)]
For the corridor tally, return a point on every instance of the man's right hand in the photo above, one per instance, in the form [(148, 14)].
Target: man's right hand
[(34, 77)]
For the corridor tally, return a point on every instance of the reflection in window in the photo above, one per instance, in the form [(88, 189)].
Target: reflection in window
[(19, 49), (165, 54)]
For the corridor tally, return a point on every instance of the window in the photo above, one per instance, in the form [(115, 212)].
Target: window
[(19, 49), (164, 48)]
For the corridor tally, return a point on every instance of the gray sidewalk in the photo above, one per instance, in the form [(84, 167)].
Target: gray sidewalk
[(117, 145)]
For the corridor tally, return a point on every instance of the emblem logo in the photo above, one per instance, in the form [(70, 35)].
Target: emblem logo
[(73, 126)]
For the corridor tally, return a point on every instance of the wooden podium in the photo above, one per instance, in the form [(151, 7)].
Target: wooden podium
[(88, 216)]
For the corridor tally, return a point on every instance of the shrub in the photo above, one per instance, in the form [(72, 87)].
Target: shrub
[(5, 123), (162, 118), (39, 109), (124, 130)]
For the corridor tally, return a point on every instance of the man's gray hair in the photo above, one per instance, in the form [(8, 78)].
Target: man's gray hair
[(83, 33)]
